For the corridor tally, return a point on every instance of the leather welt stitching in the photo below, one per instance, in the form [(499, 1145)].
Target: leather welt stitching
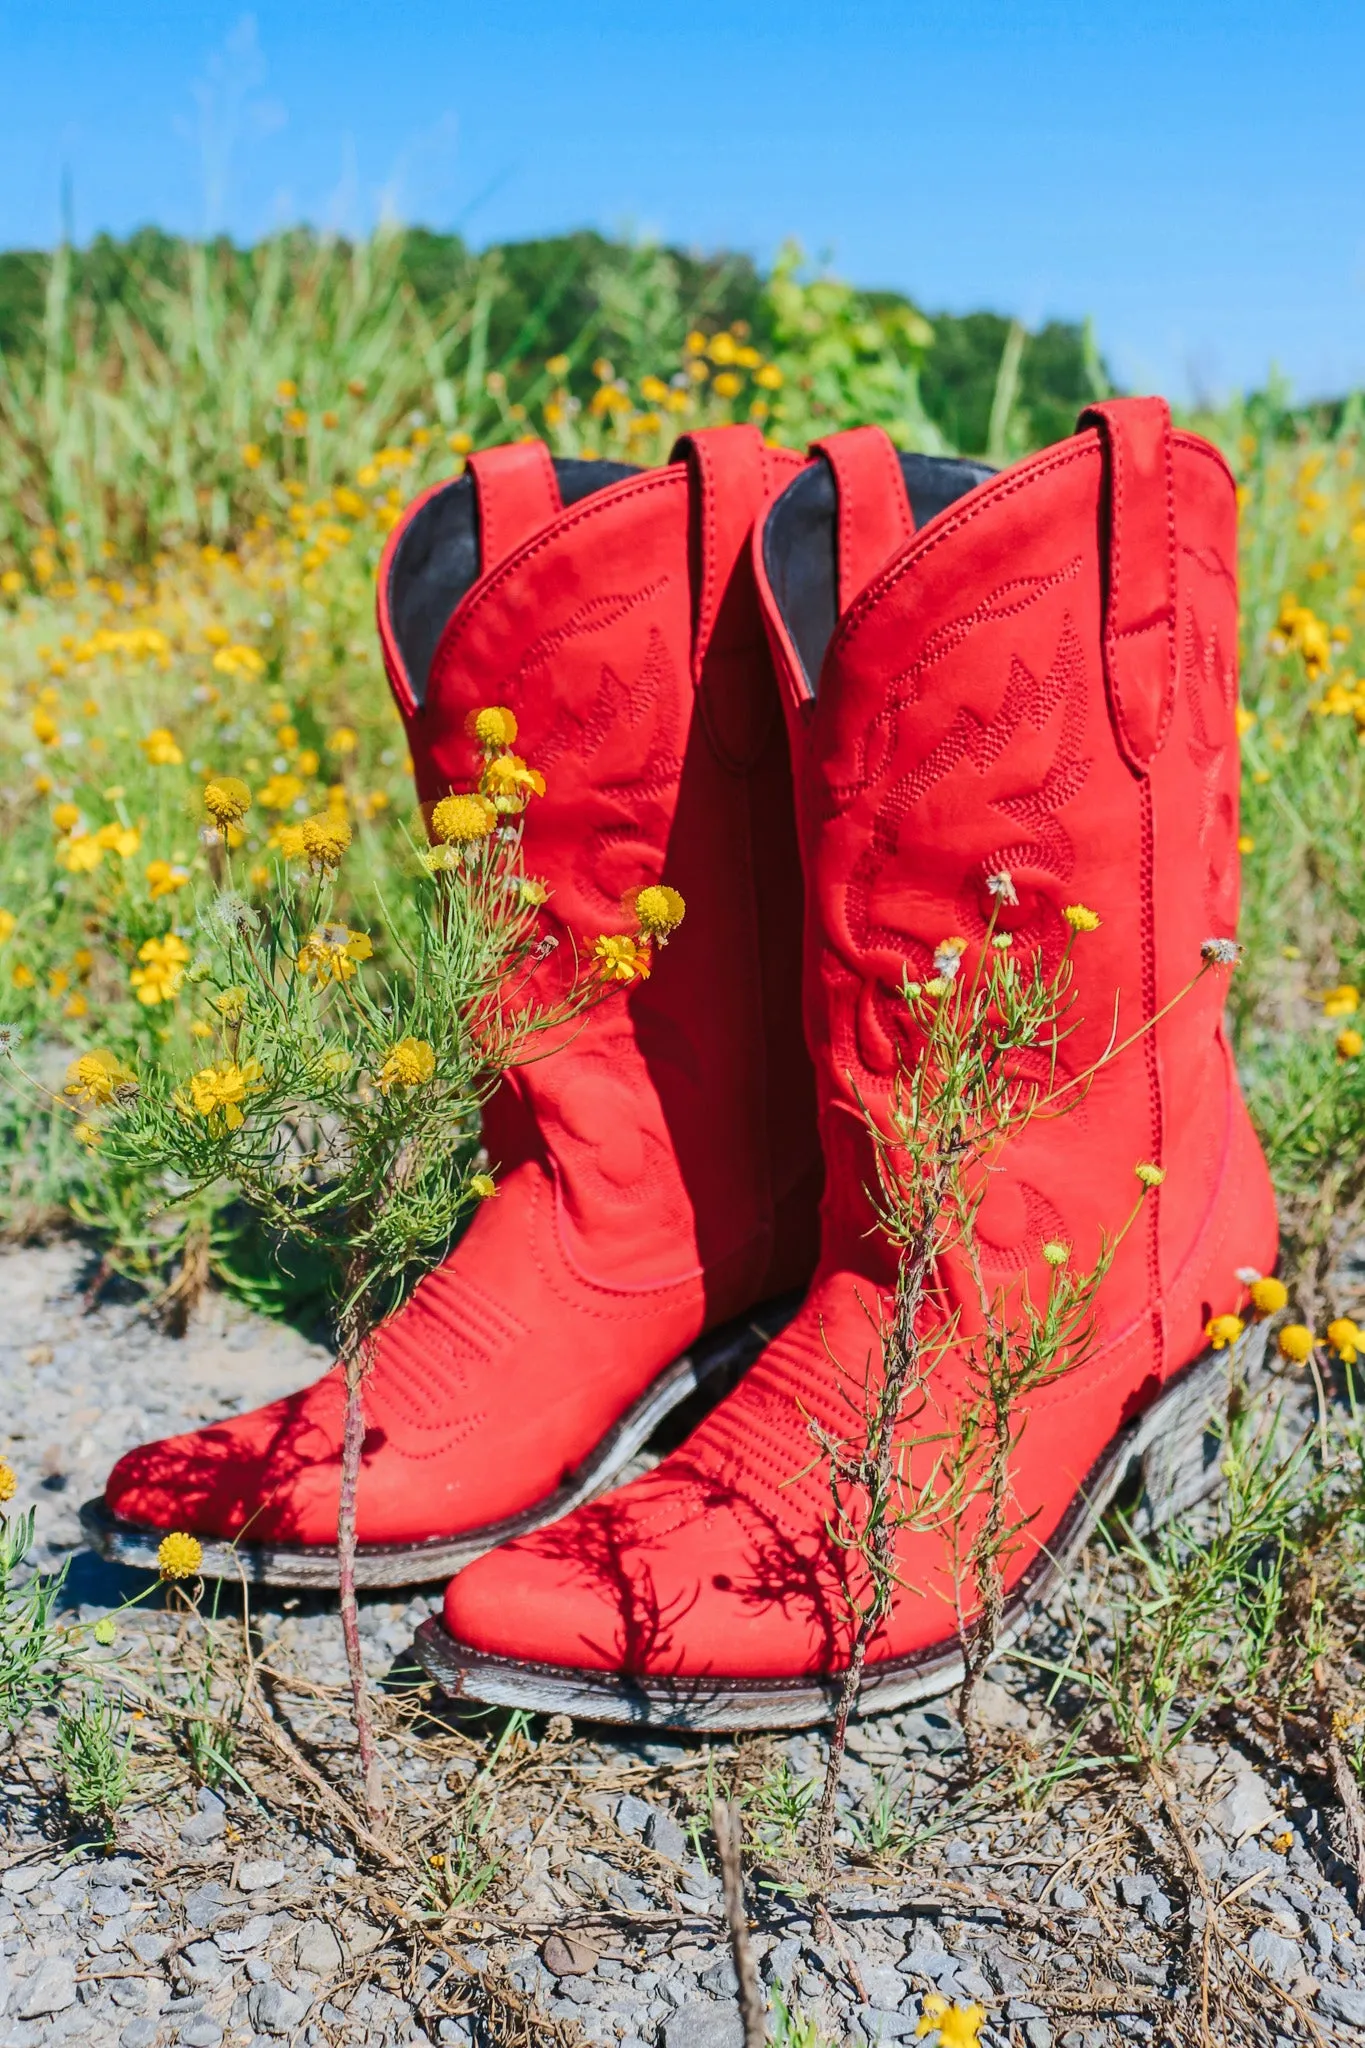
[(603, 502)]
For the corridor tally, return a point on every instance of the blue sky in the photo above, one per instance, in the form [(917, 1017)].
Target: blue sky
[(1192, 176)]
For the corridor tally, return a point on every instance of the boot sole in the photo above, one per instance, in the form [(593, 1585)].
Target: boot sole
[(722, 1356), (1171, 1449)]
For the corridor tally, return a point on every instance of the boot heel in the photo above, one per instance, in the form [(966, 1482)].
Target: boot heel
[(1176, 1453)]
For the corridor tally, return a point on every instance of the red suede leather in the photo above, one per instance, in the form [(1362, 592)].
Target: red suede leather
[(659, 1173), (978, 709)]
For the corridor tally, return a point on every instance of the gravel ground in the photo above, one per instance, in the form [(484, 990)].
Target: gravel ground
[(547, 1886)]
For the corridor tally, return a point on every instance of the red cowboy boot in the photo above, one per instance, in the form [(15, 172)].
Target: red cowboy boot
[(1042, 680), (660, 1175)]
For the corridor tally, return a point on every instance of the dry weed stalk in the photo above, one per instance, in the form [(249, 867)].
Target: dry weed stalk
[(984, 1062)]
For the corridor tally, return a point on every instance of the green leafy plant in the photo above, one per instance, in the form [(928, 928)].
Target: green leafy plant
[(93, 1746)]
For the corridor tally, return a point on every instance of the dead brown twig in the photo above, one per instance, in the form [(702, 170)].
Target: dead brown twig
[(725, 1825)]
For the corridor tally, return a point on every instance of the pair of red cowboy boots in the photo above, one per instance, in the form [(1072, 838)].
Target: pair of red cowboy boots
[(827, 700)]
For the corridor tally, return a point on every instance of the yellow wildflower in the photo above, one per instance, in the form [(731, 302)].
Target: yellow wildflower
[(409, 1064), (163, 969), (124, 840), (288, 841), (482, 1186), (87, 1135), (75, 1006), (1350, 1044), (1268, 1296), (230, 1003), (660, 910), (458, 819), (1296, 1342), (1223, 1330), (250, 454), (510, 783), (281, 791), (331, 953), (22, 975), (1342, 1001), (957, 2026), (1080, 919), (179, 1556), (494, 726), (216, 1093), (98, 1078), (343, 741), (227, 800), (45, 728), (621, 959), (163, 879), (8, 1483), (81, 854), (1055, 1254), (239, 661), (66, 817), (326, 836), (161, 749), (1150, 1176), (532, 891), (1346, 1339), (309, 762), (8, 926)]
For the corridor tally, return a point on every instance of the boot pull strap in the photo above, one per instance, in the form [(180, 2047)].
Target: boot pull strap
[(875, 519), (518, 494), (1138, 529), (729, 478)]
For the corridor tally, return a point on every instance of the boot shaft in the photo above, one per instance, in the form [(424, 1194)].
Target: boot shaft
[(622, 630), (1043, 681)]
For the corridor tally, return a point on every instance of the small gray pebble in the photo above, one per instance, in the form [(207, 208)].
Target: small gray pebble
[(202, 1828), (704, 2026), (51, 1988), (261, 1874), (633, 1815), (877, 2024), (240, 1941), (1069, 1899), (1038, 2034), (205, 2033), (274, 2009), (140, 2033), (318, 1950), (1278, 1957), (149, 1948), (720, 1980), (885, 1987), (666, 1837), (1341, 2002)]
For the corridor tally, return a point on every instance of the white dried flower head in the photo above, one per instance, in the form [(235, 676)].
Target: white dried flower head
[(1001, 886), (1220, 952), (230, 916), (11, 1038), (1248, 1275)]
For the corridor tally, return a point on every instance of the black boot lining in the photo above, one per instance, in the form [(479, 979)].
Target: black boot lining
[(800, 551), (438, 560)]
